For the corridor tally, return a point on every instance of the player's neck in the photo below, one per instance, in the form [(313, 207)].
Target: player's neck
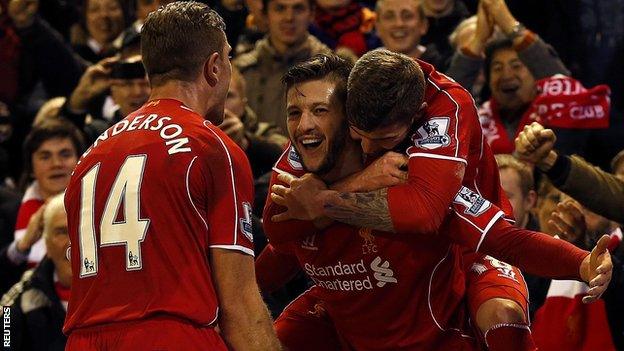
[(187, 94), (349, 162)]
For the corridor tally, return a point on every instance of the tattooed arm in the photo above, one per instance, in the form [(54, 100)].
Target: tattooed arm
[(359, 199), (368, 210)]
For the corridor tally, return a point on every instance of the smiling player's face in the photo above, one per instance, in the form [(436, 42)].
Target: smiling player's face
[(316, 124)]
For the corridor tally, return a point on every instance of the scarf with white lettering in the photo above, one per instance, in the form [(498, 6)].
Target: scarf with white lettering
[(561, 102)]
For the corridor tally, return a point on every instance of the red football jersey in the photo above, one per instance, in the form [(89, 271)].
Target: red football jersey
[(382, 291), (145, 204), (446, 150)]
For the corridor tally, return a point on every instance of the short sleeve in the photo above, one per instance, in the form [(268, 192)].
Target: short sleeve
[(230, 196)]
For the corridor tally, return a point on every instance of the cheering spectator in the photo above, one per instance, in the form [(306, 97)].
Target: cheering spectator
[(102, 23), (522, 73), (51, 151), (43, 54), (401, 25), (127, 83), (599, 191), (287, 42), (39, 301)]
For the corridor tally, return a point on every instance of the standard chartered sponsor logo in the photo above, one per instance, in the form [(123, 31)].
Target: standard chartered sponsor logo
[(383, 274), (338, 276), (335, 270)]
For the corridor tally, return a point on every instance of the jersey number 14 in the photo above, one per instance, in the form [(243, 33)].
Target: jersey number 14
[(129, 232)]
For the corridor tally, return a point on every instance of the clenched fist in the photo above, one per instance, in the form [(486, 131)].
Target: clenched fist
[(535, 145)]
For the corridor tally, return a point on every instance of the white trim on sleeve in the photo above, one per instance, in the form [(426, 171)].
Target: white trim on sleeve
[(439, 157), (227, 152), (234, 248), (498, 215)]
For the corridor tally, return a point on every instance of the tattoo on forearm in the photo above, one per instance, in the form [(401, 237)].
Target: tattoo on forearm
[(368, 210)]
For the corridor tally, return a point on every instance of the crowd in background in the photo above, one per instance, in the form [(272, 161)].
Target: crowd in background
[(70, 69)]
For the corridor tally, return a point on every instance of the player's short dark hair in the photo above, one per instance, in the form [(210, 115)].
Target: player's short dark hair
[(51, 128), (384, 87), (490, 50), (265, 5), (177, 39), (321, 66)]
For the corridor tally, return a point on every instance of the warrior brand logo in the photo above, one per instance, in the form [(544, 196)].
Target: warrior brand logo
[(308, 243), (433, 133), (294, 159), (245, 223), (383, 273), (474, 203)]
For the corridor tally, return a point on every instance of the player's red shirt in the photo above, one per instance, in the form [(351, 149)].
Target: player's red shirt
[(383, 291), (446, 150), (144, 205)]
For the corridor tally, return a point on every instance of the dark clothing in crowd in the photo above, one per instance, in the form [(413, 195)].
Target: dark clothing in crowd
[(614, 301), (537, 286), (599, 191), (52, 59), (440, 29), (37, 313), (234, 21), (9, 206), (61, 14), (262, 154), (435, 58)]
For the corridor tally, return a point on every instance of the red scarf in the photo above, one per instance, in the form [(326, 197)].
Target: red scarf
[(31, 202), (343, 26), (564, 322), (561, 102)]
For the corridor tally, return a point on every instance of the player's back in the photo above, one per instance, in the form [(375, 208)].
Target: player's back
[(141, 217)]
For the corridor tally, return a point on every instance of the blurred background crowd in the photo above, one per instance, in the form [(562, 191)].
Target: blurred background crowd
[(69, 69)]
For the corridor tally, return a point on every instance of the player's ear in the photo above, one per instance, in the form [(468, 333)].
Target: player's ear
[(211, 69)]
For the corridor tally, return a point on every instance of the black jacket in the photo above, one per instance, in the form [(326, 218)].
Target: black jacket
[(37, 314), (440, 29)]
